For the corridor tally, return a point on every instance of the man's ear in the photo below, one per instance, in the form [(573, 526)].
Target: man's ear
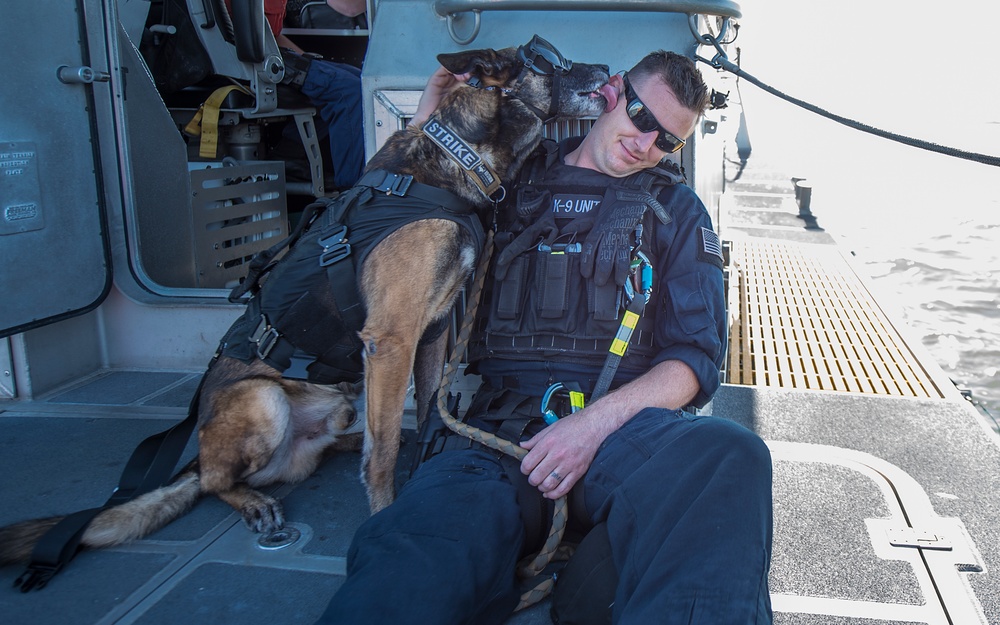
[(476, 62)]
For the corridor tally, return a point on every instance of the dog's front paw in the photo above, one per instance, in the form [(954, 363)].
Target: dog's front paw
[(263, 514)]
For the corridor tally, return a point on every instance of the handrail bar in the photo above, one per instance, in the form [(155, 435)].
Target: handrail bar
[(723, 8)]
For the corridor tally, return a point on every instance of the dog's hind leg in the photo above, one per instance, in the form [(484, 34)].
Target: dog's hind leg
[(248, 437), (428, 369)]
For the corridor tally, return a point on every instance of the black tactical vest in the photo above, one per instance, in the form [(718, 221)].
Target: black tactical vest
[(538, 306)]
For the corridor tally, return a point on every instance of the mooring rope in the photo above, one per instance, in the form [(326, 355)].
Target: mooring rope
[(721, 61), (531, 566)]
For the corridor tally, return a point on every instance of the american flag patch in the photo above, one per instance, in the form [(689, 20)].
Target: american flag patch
[(711, 247)]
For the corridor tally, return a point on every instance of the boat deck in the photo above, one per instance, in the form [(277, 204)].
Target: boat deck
[(887, 483)]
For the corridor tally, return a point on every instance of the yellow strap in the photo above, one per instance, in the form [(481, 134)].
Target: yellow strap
[(206, 121), (620, 342)]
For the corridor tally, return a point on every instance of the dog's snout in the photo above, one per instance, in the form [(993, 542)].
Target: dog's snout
[(606, 68)]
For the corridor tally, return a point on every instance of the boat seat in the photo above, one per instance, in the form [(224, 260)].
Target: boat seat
[(194, 47)]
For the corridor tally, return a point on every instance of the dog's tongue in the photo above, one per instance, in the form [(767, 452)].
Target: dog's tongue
[(611, 95)]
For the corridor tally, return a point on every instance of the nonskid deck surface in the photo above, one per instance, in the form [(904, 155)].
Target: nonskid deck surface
[(65, 452), (834, 499)]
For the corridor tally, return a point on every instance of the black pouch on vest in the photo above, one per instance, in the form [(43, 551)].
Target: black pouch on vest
[(585, 589)]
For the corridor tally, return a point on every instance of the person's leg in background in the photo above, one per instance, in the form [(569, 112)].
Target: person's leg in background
[(335, 90)]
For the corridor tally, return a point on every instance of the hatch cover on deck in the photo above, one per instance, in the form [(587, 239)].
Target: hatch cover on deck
[(857, 540), (801, 318)]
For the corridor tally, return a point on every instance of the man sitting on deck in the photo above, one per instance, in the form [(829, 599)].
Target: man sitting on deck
[(684, 501)]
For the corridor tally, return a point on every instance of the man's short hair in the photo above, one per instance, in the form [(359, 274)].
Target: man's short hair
[(679, 73)]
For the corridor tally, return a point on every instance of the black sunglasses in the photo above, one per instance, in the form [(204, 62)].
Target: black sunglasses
[(542, 58), (644, 120)]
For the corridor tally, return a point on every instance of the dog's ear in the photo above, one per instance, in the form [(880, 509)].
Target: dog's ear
[(476, 62)]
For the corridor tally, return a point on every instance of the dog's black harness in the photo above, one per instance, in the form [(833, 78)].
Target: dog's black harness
[(304, 319)]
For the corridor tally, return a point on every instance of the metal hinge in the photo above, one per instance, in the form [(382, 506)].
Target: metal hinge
[(919, 539)]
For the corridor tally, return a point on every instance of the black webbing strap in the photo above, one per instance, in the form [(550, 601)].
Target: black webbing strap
[(536, 511), (263, 261), (618, 346), (150, 467), (403, 185)]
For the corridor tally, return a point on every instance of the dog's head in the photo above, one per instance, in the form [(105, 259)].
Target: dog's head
[(538, 76), (499, 113)]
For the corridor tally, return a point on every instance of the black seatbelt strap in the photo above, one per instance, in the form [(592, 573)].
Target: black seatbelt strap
[(150, 467)]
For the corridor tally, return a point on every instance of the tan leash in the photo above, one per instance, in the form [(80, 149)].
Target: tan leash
[(531, 566)]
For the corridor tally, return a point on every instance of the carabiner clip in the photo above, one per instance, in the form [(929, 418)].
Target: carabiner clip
[(641, 280), (576, 401)]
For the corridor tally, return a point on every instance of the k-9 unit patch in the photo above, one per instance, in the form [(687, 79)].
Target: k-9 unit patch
[(710, 248), (574, 204)]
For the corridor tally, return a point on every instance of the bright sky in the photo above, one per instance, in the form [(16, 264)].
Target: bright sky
[(888, 62), (925, 74)]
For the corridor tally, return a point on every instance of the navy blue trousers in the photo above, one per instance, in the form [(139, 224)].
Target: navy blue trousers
[(335, 90), (687, 501)]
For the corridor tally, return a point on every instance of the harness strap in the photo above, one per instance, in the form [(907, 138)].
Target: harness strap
[(149, 468), (404, 185), (263, 261)]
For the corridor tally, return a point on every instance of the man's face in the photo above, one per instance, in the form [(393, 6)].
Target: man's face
[(621, 148)]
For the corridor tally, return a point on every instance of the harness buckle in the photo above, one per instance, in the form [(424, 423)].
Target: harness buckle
[(36, 576), (265, 337), (395, 184), (335, 247), (640, 280)]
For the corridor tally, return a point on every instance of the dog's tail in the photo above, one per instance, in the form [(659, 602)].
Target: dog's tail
[(115, 526)]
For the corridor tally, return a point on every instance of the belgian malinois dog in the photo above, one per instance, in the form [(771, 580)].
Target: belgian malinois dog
[(256, 427)]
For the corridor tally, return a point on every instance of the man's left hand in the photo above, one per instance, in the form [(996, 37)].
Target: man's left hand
[(560, 454)]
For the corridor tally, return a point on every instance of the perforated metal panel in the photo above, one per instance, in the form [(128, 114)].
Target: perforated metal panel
[(801, 318), (237, 212)]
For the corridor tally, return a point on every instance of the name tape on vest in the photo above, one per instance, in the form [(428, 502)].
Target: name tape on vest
[(573, 204)]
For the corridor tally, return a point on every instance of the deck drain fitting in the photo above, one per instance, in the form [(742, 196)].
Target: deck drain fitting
[(279, 539)]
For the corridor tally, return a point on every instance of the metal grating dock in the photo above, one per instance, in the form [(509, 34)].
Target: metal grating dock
[(801, 318)]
